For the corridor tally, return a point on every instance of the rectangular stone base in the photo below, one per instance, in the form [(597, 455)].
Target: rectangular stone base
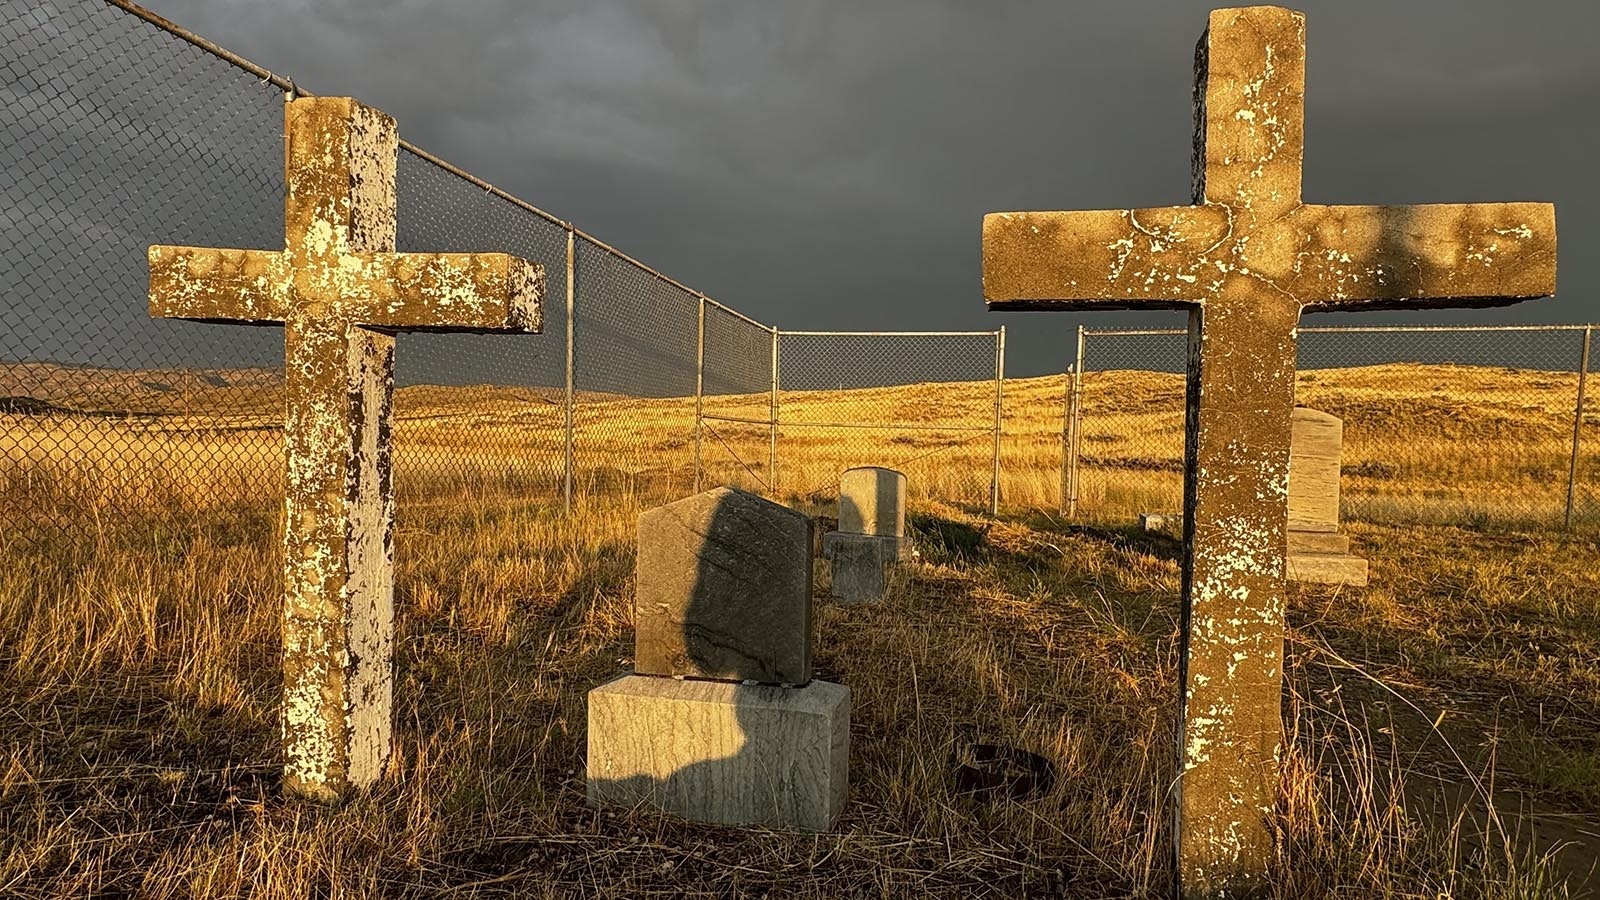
[(860, 568), (894, 548), (719, 752), (1327, 568), (1318, 542)]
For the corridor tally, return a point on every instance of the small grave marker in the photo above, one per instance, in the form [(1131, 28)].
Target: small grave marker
[(1318, 553), (871, 535)]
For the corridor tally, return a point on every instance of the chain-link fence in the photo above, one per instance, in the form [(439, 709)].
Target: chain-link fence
[(734, 437), (1464, 424), (926, 403), (122, 131)]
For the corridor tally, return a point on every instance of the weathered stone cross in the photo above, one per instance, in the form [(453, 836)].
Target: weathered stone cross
[(1246, 260), (341, 292)]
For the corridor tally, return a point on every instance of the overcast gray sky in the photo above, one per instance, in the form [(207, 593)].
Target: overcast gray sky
[(827, 163)]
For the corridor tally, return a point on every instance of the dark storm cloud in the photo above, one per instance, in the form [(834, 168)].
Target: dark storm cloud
[(826, 163)]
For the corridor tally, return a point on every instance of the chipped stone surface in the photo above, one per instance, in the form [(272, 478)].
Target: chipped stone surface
[(1246, 260), (722, 589), (336, 280)]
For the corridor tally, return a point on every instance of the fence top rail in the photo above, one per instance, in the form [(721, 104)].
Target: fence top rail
[(269, 77), (735, 313), (1351, 329), (784, 332)]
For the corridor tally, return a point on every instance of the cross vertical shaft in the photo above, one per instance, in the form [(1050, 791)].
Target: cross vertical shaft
[(338, 510), (1250, 66)]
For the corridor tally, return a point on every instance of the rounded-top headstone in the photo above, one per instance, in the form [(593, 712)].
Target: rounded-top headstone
[(872, 500), (1315, 443), (723, 590)]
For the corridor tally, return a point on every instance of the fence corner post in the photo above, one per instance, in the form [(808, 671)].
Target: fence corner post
[(999, 416), (1577, 423), (699, 396), (572, 295)]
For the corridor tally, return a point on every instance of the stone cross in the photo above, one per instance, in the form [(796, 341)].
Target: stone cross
[(1246, 259), (341, 292)]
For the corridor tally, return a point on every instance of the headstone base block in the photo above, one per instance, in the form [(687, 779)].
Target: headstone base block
[(720, 752), (860, 568), (894, 548), (1327, 568)]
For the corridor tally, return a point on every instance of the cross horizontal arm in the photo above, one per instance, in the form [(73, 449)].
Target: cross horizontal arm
[(1107, 259), (1394, 257), (210, 284), (443, 291)]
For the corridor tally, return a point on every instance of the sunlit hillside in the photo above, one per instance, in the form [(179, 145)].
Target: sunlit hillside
[(1434, 443), (1441, 722)]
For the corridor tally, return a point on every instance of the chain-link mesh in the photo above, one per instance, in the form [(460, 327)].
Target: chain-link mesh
[(479, 415), (1466, 425), (736, 417), (921, 403), (121, 134), (634, 362), (118, 135)]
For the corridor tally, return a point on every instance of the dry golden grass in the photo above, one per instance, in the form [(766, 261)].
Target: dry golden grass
[(139, 652)]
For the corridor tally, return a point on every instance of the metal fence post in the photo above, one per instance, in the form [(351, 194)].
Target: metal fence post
[(572, 296), (699, 394), (999, 391), (1075, 412), (772, 449), (1066, 439), (1577, 422)]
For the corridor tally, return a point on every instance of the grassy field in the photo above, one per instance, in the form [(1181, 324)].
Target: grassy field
[(1443, 721)]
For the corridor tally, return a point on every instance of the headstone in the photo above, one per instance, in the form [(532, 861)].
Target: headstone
[(872, 511), (721, 721), (1317, 552), (1157, 521), (872, 500), (1316, 441), (340, 291), (723, 590), (1246, 259)]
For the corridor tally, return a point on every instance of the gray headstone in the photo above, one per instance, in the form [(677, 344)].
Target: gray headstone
[(723, 590), (872, 500)]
